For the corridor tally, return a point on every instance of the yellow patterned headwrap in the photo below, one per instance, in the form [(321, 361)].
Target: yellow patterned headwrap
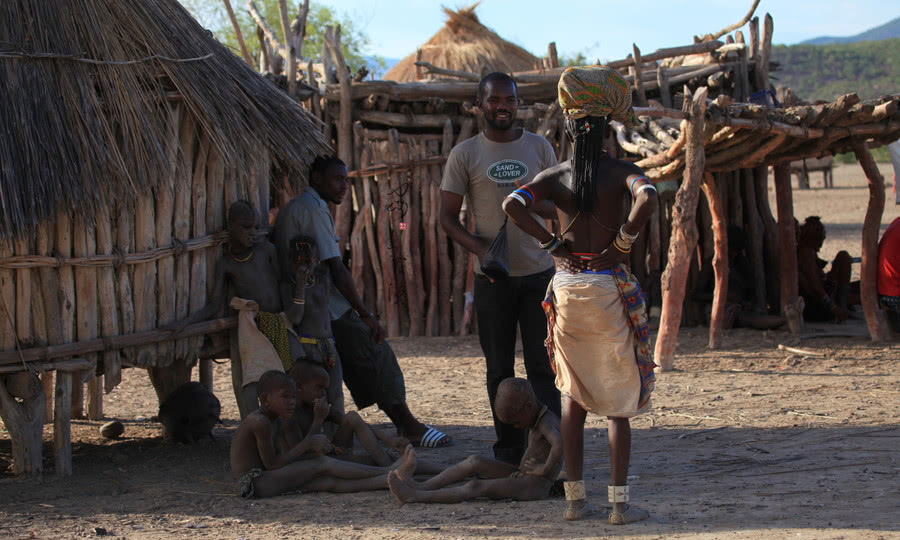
[(596, 91)]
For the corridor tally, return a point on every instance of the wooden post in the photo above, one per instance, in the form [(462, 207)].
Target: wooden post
[(787, 242), (754, 37), (106, 299), (66, 297), (383, 219), (753, 226), (765, 51), (420, 71), (641, 100), (720, 258), (868, 281), (181, 227), (51, 327), (665, 93), (62, 424), (22, 410), (292, 54), (445, 277), (552, 55), (332, 43), (684, 232), (770, 233), (85, 245)]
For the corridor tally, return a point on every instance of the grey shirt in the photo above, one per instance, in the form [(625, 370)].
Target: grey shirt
[(486, 172), (308, 214)]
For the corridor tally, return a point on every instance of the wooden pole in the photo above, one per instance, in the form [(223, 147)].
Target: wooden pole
[(641, 100), (765, 51), (720, 258), (770, 232), (238, 33), (753, 225), (85, 245), (787, 255), (182, 225), (332, 43), (684, 233), (106, 298), (665, 92), (552, 55), (291, 57), (22, 410), (868, 282), (62, 424), (67, 296), (383, 218)]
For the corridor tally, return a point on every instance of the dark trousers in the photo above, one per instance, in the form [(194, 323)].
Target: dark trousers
[(503, 306)]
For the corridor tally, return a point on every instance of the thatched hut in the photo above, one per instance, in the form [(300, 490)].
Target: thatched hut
[(464, 44), (127, 132)]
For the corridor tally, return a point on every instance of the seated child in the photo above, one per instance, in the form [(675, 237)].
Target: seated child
[(265, 472), (304, 295), (313, 413), (532, 480), (251, 267)]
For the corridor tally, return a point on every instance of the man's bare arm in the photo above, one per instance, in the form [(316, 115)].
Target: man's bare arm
[(343, 281), (451, 204)]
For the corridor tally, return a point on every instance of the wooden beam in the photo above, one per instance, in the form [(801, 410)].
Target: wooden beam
[(465, 75), (114, 342), (868, 281), (684, 233)]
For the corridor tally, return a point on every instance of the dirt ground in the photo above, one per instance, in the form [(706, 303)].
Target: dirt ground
[(743, 442)]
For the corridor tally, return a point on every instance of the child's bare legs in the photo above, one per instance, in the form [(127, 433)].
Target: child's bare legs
[(471, 466), (353, 424), (527, 488), (619, 455), (340, 483)]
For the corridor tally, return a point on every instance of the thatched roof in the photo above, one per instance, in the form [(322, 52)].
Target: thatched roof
[(464, 44), (87, 86)]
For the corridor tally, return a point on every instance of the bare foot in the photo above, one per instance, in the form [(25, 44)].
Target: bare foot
[(406, 465), (400, 489), (629, 514)]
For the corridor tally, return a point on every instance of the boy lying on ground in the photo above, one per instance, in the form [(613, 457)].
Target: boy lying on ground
[(314, 412), (264, 472), (532, 480)]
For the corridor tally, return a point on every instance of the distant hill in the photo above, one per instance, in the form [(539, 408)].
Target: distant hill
[(869, 68), (889, 30)]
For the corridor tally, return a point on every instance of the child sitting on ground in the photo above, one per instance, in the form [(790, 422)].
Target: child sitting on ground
[(264, 472), (314, 412), (251, 267), (532, 480)]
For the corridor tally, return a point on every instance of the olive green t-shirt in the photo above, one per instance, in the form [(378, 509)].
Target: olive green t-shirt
[(485, 172)]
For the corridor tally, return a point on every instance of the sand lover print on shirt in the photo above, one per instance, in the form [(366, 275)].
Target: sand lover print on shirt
[(507, 173)]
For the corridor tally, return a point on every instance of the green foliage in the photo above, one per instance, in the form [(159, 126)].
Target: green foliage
[(354, 42), (880, 154), (575, 59), (813, 72)]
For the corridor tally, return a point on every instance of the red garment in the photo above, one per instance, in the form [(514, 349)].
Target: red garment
[(889, 261)]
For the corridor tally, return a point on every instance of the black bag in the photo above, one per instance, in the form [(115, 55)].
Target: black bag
[(495, 263)]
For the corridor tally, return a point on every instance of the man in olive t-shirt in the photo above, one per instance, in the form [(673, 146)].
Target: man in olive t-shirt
[(485, 169)]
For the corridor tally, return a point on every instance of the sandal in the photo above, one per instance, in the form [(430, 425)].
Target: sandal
[(433, 438)]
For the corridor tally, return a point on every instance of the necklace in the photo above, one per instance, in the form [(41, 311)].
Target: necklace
[(245, 259)]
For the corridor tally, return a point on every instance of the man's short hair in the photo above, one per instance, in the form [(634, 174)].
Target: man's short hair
[(322, 163), (239, 209), (272, 380), (494, 77)]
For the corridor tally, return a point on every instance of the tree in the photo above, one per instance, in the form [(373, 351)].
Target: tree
[(354, 42)]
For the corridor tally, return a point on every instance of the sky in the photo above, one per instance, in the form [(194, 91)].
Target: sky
[(603, 29)]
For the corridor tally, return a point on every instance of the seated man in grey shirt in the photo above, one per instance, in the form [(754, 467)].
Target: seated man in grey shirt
[(370, 368)]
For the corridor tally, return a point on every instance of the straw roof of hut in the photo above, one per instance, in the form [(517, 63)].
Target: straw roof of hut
[(464, 44), (87, 89)]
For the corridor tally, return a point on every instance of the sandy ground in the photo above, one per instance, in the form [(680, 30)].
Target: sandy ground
[(743, 442)]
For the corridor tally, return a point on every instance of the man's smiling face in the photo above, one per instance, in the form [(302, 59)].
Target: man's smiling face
[(499, 104)]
